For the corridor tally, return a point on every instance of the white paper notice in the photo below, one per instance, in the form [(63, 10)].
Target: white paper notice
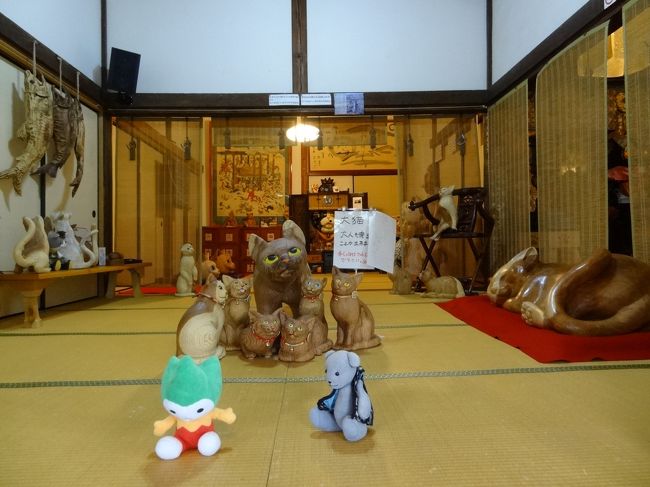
[(364, 240)]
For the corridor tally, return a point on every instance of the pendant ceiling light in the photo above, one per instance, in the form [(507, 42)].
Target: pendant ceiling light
[(302, 132)]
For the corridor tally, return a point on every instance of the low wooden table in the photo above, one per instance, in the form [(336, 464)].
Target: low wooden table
[(31, 284)]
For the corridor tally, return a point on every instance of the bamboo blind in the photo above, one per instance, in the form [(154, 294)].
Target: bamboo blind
[(571, 104), (508, 175), (636, 17)]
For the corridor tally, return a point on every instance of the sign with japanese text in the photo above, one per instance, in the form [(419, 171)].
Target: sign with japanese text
[(364, 240)]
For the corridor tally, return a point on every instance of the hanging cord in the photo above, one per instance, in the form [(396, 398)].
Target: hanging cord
[(34, 57), (60, 73), (77, 85)]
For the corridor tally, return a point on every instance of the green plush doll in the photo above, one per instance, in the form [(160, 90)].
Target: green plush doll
[(190, 394)]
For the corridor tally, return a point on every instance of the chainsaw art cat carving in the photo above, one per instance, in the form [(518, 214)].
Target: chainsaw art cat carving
[(606, 294), (237, 310), (32, 251), (401, 279), (443, 287), (296, 338), (200, 327), (79, 255), (188, 273), (311, 304), (280, 267), (36, 131), (258, 337), (447, 211), (355, 323)]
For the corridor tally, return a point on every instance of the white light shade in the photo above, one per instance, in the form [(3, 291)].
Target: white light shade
[(302, 132)]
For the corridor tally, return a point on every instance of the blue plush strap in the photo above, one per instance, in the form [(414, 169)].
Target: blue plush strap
[(327, 403), (359, 377)]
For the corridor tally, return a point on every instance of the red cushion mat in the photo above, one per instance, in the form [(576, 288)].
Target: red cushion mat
[(545, 345)]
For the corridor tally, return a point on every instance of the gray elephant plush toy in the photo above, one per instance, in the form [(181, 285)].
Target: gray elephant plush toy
[(347, 408)]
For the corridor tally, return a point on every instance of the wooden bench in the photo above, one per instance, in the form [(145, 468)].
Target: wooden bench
[(31, 284)]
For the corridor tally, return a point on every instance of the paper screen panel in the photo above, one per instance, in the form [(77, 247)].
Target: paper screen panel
[(637, 85), (571, 103), (508, 175)]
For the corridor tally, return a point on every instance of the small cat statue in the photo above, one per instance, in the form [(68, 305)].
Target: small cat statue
[(32, 251), (355, 323), (443, 287), (188, 273), (258, 337), (311, 304), (237, 310), (447, 211), (296, 338), (201, 326), (280, 267), (78, 254), (401, 279)]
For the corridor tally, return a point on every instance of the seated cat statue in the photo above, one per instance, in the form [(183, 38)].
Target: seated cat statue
[(188, 273), (311, 304), (280, 267), (237, 310), (78, 254), (401, 281), (606, 294), (355, 325), (296, 338), (32, 251), (258, 338), (200, 327), (443, 287)]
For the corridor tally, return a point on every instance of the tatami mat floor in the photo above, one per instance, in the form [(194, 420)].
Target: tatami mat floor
[(453, 407)]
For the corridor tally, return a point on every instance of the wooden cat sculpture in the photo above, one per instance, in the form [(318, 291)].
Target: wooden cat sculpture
[(201, 325), (355, 323), (443, 287), (280, 267), (188, 273), (607, 294), (311, 304), (258, 337), (79, 255), (32, 251), (237, 310), (401, 279), (447, 211), (296, 338)]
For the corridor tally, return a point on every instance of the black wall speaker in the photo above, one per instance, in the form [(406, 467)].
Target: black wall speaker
[(123, 72)]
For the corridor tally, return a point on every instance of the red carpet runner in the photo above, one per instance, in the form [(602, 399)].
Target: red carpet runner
[(544, 345)]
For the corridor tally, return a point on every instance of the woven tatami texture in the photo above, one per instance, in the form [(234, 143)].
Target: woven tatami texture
[(453, 407)]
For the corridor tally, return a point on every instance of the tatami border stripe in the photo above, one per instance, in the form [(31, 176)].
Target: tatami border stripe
[(292, 380)]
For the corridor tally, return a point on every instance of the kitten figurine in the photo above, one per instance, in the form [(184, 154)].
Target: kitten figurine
[(355, 323), (258, 337), (295, 342), (449, 212), (280, 266), (236, 310), (311, 304)]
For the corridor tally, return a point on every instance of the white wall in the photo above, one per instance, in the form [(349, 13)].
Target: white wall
[(518, 26), (205, 46), (388, 45), (70, 28)]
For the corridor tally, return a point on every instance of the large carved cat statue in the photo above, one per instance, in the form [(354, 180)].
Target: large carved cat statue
[(280, 267), (606, 294)]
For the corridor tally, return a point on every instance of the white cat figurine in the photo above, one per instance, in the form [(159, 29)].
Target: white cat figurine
[(32, 251), (449, 214)]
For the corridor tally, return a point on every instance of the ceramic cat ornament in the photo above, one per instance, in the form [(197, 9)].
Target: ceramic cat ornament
[(280, 266), (606, 294)]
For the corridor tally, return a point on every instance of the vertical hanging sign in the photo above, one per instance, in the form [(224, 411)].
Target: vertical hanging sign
[(364, 240)]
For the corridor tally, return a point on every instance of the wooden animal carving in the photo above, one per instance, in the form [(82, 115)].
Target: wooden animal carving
[(80, 256), (447, 211), (32, 251), (311, 304), (258, 337), (280, 267), (606, 294), (296, 338), (401, 279), (200, 327), (36, 131), (64, 132), (443, 287), (355, 323), (188, 272), (77, 120), (237, 310)]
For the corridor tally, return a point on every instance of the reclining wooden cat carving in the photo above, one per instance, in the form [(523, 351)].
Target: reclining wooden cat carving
[(607, 294)]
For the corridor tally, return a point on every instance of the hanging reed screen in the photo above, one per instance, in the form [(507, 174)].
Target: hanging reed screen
[(571, 105)]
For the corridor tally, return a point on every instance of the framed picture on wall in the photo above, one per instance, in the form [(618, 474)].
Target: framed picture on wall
[(249, 181)]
